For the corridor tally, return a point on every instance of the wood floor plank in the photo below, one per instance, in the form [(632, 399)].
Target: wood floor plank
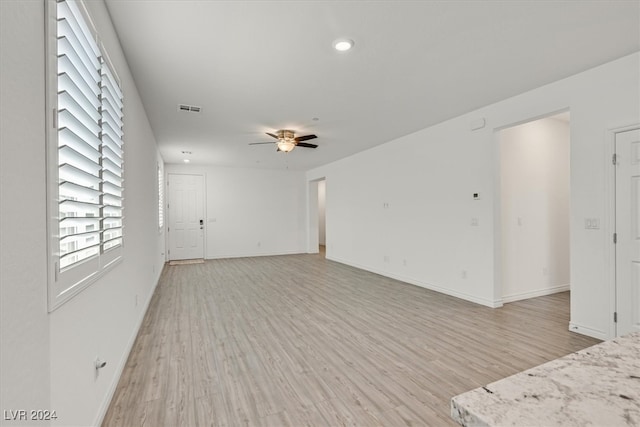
[(301, 341)]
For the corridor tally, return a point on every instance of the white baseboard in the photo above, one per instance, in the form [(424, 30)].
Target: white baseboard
[(430, 286), (594, 333), (255, 254), (536, 293), (125, 356)]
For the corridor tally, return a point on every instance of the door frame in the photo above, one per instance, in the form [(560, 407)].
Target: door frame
[(168, 212), (497, 199), (610, 221)]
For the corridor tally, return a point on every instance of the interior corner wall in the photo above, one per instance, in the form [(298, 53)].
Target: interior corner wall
[(405, 209), (250, 212), (322, 190), (534, 163), (48, 358)]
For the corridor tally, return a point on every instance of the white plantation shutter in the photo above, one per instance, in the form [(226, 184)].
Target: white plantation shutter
[(79, 188), (88, 136), (111, 148), (160, 196)]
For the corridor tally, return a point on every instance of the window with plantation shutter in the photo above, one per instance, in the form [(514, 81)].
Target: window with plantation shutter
[(85, 153), (160, 196)]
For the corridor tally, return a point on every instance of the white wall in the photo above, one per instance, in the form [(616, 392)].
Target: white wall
[(251, 212), (47, 359), (534, 163), (410, 200), (24, 326), (322, 191)]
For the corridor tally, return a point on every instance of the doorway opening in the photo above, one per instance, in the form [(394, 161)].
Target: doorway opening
[(316, 230), (322, 219), (534, 208)]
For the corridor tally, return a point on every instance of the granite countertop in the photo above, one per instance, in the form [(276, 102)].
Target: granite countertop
[(597, 386)]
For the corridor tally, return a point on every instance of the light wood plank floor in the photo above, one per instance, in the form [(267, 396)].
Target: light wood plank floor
[(298, 340)]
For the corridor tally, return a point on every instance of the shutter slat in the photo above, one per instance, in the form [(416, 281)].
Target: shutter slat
[(112, 212), (71, 191), (69, 226), (116, 105), (111, 222), (68, 155), (85, 112), (71, 209), (107, 108), (109, 176), (84, 130), (111, 82), (110, 154), (111, 200), (112, 167), (115, 148), (112, 244), (70, 173), (70, 11), (73, 67), (77, 90), (106, 118), (67, 45), (75, 257), (108, 89), (115, 111)]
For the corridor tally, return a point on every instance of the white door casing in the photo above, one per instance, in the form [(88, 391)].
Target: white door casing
[(627, 248), (186, 216)]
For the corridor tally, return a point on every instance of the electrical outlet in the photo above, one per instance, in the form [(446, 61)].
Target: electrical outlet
[(387, 258), (463, 274), (592, 223), (404, 262), (475, 222)]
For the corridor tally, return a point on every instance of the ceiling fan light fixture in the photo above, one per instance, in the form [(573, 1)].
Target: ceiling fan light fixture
[(343, 45), (286, 145), (286, 141)]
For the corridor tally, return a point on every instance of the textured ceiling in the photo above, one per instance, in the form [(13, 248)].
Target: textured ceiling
[(259, 66)]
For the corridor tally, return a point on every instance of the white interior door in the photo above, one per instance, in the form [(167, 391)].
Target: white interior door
[(186, 216), (628, 231)]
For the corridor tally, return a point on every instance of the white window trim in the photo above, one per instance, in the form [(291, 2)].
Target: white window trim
[(64, 285)]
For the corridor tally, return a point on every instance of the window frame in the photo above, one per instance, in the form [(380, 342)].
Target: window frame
[(64, 284)]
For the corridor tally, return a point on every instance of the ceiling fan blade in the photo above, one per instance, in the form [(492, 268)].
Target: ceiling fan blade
[(260, 143), (306, 144), (272, 135), (304, 138)]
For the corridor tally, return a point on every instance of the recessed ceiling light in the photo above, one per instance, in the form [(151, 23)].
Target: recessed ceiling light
[(186, 160), (342, 45)]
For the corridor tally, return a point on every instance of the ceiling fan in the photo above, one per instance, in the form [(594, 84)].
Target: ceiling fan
[(287, 141)]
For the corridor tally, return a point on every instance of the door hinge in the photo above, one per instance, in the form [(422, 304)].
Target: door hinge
[(54, 120), (615, 317), (614, 159), (615, 237)]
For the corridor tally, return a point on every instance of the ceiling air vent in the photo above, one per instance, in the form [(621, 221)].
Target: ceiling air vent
[(189, 108)]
